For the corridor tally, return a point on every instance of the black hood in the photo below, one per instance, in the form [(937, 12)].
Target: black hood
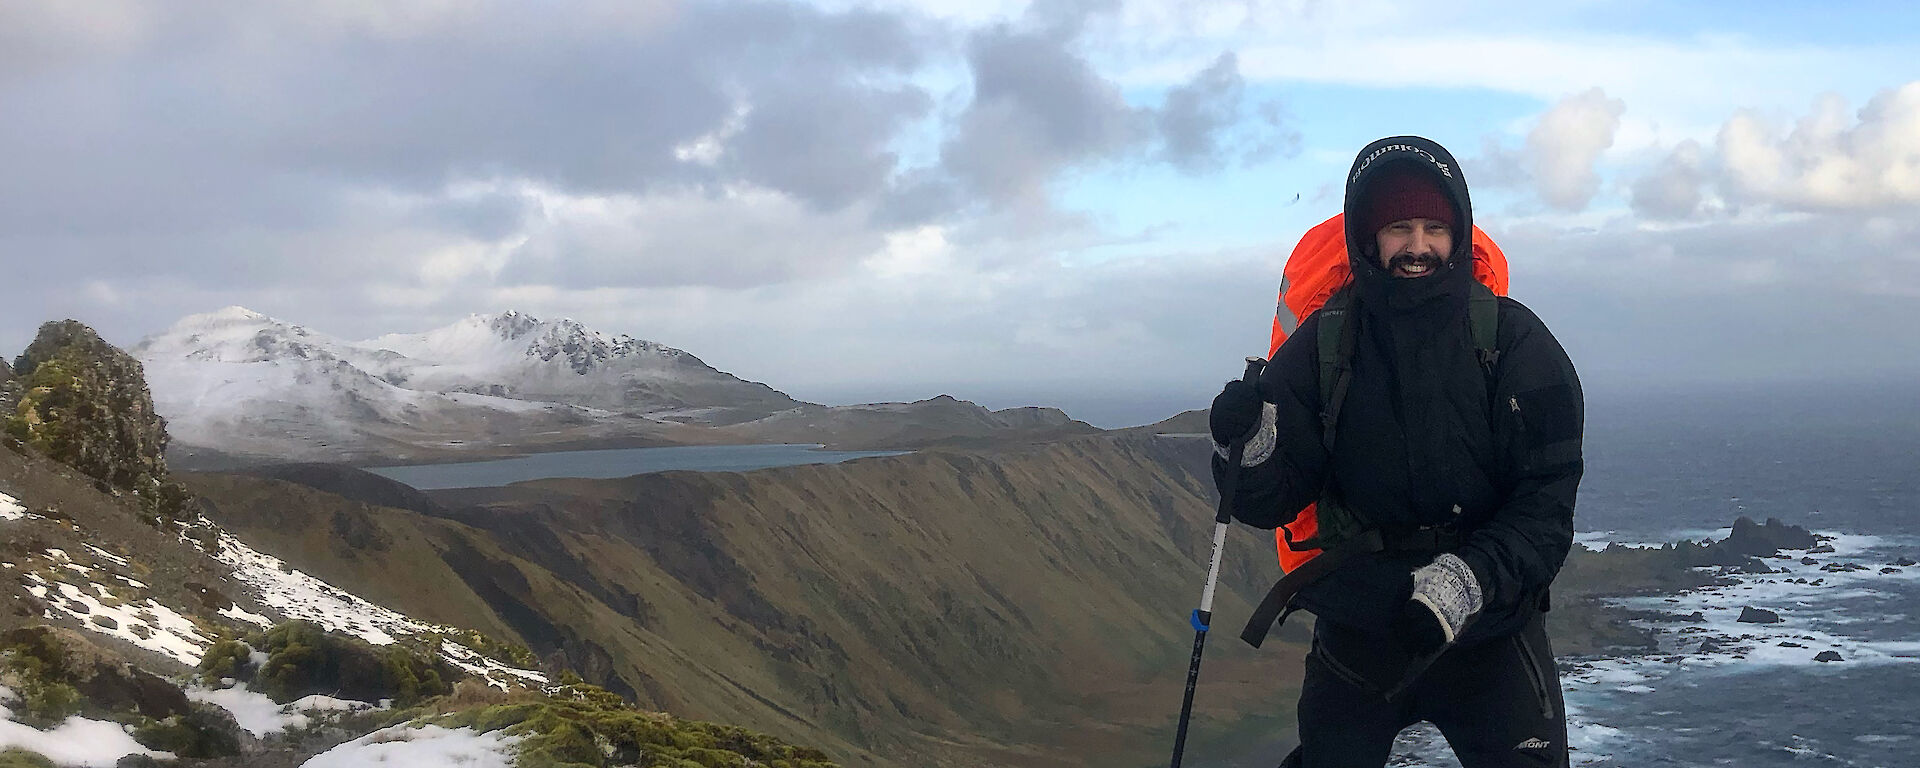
[(1413, 151), (1427, 155)]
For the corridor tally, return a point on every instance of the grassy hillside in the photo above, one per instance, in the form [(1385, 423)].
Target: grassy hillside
[(1017, 608)]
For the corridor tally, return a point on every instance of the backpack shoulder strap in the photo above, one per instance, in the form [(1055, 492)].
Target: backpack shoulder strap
[(1336, 359), (1483, 319)]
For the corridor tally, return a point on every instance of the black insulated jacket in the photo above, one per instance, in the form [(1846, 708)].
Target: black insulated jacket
[(1426, 436)]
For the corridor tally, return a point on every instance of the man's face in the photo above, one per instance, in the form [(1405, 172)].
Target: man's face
[(1414, 247)]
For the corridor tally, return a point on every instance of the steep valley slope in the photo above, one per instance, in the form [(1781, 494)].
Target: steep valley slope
[(1022, 607)]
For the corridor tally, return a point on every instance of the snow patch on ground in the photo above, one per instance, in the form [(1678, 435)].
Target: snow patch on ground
[(76, 741), (261, 717), (238, 613), (11, 508), (255, 713), (298, 595), (147, 624), (108, 556), (428, 746)]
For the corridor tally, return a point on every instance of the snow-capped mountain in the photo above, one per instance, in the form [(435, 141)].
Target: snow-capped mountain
[(519, 356), (240, 382)]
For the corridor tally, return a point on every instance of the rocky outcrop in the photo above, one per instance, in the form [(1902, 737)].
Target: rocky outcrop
[(9, 390), (85, 403), (1765, 540), (43, 657), (1752, 615), (1826, 656)]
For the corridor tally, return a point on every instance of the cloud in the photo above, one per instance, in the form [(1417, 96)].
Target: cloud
[(1205, 123), (1730, 299), (1038, 107), (267, 110), (1830, 160), (1563, 146), (1674, 189), (734, 237)]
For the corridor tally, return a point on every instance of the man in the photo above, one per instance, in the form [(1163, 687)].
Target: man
[(1465, 461)]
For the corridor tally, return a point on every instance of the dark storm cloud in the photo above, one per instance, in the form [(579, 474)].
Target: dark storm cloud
[(1037, 107), (508, 93), (1196, 113)]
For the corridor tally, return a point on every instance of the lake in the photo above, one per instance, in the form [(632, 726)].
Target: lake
[(620, 462)]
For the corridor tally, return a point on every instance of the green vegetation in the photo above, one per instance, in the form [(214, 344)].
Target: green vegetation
[(15, 757), (204, 731), (85, 404), (34, 672), (227, 658), (579, 725), (503, 652), (59, 673), (303, 659), (573, 725)]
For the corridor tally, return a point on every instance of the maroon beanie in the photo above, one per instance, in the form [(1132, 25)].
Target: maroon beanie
[(1406, 193)]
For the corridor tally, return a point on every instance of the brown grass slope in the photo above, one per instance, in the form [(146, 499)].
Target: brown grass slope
[(1025, 607), (75, 513)]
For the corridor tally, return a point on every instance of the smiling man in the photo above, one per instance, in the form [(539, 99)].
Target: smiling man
[(1438, 430)]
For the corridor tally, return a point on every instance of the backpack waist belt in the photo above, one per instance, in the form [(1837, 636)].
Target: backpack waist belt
[(1278, 604)]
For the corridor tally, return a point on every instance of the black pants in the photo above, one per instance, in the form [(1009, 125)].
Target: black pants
[(1497, 702)]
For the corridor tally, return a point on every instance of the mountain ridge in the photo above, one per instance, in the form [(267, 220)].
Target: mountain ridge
[(243, 388)]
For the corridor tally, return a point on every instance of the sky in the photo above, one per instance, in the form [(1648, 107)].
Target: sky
[(1075, 203)]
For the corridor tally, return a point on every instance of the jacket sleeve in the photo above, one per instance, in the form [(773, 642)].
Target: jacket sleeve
[(1272, 492), (1520, 549)]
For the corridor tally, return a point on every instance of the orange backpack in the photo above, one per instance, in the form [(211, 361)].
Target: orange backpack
[(1317, 269)]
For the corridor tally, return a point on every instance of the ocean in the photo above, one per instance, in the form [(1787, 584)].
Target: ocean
[(1842, 461)]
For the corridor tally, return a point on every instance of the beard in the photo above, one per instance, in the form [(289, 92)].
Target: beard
[(1431, 263)]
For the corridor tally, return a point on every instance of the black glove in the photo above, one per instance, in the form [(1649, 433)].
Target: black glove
[(1446, 597), (1235, 412), (1418, 630)]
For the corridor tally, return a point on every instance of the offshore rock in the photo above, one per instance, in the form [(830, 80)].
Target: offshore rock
[(85, 403), (1826, 656), (1765, 540), (1752, 615)]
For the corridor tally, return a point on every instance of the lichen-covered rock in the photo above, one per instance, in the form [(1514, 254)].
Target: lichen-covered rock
[(85, 403), (204, 731), (63, 672), (303, 659)]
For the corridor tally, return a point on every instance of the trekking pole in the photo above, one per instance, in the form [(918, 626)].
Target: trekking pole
[(1204, 614)]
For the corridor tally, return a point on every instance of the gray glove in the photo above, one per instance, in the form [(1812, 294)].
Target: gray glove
[(1446, 588)]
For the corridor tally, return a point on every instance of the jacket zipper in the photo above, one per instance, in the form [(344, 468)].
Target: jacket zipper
[(1536, 677), (1519, 432)]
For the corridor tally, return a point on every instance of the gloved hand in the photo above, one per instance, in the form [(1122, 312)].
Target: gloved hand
[(1446, 596), (1235, 412)]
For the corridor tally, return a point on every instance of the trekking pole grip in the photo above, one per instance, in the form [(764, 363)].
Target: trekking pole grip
[(1231, 482), (1254, 366)]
